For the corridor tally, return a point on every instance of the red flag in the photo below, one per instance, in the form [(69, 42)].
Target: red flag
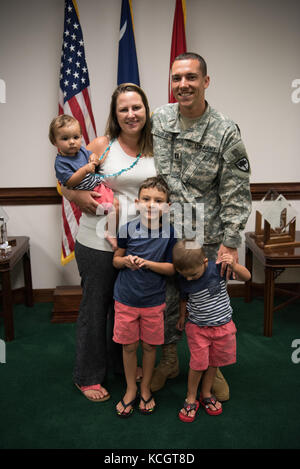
[(74, 100), (178, 39)]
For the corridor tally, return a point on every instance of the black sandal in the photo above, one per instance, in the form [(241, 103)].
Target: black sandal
[(124, 414), (147, 411)]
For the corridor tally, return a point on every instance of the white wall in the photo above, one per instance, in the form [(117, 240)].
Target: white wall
[(252, 50)]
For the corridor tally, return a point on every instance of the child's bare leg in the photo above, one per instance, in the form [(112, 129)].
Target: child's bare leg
[(149, 354), (207, 383), (193, 384), (112, 225), (130, 364)]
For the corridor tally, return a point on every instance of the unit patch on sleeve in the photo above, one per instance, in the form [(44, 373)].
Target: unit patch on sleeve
[(236, 157), (243, 164)]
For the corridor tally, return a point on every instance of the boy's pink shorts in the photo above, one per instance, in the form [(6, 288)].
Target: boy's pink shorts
[(132, 324), (211, 346)]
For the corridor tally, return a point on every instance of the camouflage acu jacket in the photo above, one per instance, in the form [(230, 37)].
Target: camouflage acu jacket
[(205, 164)]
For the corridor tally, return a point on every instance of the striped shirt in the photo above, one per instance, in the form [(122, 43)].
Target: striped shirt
[(89, 182), (208, 303)]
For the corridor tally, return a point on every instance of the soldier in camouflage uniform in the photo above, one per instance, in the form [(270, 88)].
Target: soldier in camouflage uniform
[(200, 154)]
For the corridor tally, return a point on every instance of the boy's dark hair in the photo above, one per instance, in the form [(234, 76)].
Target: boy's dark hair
[(155, 182), (187, 253), (194, 56)]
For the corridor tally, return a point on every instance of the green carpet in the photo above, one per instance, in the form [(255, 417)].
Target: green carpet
[(41, 408)]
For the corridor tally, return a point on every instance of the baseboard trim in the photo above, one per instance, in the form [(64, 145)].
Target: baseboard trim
[(66, 299)]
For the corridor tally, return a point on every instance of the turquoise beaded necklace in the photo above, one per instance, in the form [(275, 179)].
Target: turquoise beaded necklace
[(104, 176)]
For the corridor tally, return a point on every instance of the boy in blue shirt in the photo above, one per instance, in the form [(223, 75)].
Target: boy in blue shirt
[(210, 330), (144, 257)]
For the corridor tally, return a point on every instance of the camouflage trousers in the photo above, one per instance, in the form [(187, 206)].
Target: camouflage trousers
[(171, 316)]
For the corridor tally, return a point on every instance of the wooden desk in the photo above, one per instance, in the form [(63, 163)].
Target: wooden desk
[(274, 262), (19, 252)]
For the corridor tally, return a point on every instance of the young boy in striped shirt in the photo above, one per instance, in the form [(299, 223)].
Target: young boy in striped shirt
[(209, 328)]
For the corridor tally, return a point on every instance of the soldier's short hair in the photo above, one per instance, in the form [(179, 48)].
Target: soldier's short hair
[(59, 122), (188, 253), (155, 182), (194, 56)]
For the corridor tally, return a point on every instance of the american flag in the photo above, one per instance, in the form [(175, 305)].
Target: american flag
[(75, 100)]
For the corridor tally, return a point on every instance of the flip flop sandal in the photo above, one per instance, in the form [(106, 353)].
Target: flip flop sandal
[(207, 401), (188, 408), (94, 387), (124, 414), (147, 411)]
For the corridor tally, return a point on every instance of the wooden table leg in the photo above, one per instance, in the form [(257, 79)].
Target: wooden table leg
[(27, 279), (7, 307), (249, 266), (269, 302)]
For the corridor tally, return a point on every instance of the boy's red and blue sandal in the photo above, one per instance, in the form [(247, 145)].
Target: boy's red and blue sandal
[(210, 401), (189, 408)]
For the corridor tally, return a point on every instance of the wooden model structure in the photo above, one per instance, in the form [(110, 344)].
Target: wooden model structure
[(269, 235)]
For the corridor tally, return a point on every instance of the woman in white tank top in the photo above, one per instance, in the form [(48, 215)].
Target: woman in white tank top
[(127, 163), (125, 187)]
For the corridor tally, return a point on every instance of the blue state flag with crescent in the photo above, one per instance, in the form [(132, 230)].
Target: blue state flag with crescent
[(128, 70)]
